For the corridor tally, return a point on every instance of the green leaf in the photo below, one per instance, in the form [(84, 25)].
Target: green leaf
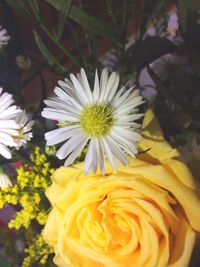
[(179, 118), (52, 61), (63, 14), (35, 9), (88, 22), (4, 262), (185, 8), (152, 48), (19, 8), (188, 17)]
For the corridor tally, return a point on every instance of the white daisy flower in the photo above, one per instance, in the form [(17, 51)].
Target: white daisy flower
[(4, 180), (8, 125), (4, 37), (24, 131), (102, 118)]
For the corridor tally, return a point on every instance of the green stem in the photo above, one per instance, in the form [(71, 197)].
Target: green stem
[(81, 53), (65, 51), (112, 13)]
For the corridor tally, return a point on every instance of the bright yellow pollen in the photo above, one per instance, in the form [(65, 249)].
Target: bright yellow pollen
[(97, 120)]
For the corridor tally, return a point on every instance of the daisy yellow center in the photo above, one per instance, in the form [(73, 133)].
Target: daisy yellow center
[(97, 120)]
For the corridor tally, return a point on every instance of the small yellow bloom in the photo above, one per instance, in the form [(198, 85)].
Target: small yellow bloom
[(144, 215)]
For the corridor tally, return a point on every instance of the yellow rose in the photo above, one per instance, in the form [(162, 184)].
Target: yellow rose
[(146, 215)]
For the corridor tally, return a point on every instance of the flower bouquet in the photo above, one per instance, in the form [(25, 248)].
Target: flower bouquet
[(103, 170)]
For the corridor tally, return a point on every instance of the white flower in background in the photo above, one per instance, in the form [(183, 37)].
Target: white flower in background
[(24, 131), (103, 118), (4, 37), (4, 180), (23, 62), (14, 125), (8, 125)]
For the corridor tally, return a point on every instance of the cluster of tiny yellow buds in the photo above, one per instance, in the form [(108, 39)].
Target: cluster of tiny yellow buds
[(9, 195), (42, 217), (29, 191), (23, 218), (38, 252), (36, 198), (22, 177)]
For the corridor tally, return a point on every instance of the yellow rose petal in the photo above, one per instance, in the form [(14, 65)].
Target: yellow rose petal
[(153, 139), (184, 244)]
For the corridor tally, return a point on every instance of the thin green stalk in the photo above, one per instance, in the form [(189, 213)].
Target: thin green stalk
[(125, 16), (112, 14), (77, 43), (65, 51)]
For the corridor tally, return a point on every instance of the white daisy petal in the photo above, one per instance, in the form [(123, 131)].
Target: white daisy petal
[(86, 85), (76, 150), (117, 152), (103, 83), (5, 152), (127, 133), (12, 123), (119, 93), (109, 85), (94, 163), (109, 153), (126, 144), (69, 88), (58, 115), (88, 158), (68, 147), (67, 98), (11, 132), (4, 181), (24, 132), (113, 89), (96, 91), (104, 119), (79, 88), (9, 124), (9, 113), (6, 137), (101, 157), (56, 104), (60, 135), (121, 99)]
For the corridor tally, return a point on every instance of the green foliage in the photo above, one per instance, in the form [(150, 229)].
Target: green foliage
[(52, 61), (19, 8), (185, 8), (151, 48), (88, 22), (29, 192), (3, 262), (63, 15)]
